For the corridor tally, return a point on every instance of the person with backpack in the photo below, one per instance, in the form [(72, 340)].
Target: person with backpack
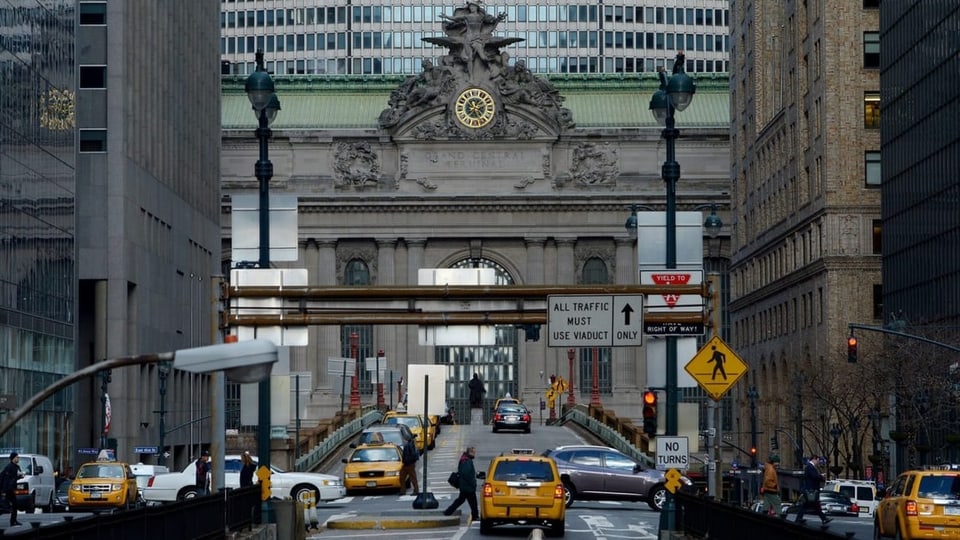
[(409, 456)]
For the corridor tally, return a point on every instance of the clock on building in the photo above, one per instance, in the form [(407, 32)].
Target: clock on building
[(475, 108)]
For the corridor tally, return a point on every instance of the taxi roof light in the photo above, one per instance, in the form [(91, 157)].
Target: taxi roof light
[(522, 451)]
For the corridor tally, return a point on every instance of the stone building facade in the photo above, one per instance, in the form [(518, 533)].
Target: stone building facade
[(474, 162)]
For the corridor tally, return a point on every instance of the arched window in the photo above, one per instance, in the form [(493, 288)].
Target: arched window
[(357, 274), (496, 364), (595, 273)]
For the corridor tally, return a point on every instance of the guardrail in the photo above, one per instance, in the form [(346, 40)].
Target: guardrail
[(607, 434), (719, 521), (317, 454)]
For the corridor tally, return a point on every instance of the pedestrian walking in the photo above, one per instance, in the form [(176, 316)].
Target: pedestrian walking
[(247, 469), (203, 474), (812, 480), (476, 391), (771, 487), (468, 485), (408, 472), (8, 485)]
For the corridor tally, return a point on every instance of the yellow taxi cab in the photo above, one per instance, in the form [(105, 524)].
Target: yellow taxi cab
[(920, 504), (506, 399), (103, 484), (415, 423), (371, 467), (521, 488)]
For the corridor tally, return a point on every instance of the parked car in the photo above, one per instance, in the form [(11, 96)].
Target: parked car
[(178, 486), (522, 489), (831, 502), (595, 473), (61, 500), (920, 504), (38, 485), (862, 492), (511, 416)]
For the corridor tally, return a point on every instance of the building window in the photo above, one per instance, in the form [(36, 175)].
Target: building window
[(872, 162), (595, 273), (871, 49), (93, 77), (877, 237), (93, 140), (871, 110), (871, 4), (93, 13), (878, 301), (357, 273)]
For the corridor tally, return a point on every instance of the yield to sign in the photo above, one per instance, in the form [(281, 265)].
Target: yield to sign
[(670, 279), (667, 278)]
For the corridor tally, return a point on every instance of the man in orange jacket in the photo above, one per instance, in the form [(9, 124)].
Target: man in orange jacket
[(771, 487)]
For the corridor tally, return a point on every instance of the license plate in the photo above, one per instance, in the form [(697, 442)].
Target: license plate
[(94, 495), (951, 510), (512, 418), (371, 483), (524, 492)]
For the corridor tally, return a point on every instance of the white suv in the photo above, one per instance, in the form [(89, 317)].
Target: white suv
[(862, 492)]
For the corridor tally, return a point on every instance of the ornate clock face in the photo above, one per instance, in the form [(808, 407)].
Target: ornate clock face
[(475, 107)]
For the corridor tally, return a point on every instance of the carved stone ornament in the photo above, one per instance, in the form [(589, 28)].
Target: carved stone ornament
[(355, 165), (594, 164), (477, 88)]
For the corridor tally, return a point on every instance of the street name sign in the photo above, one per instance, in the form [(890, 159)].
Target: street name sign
[(145, 450), (716, 368), (595, 320), (672, 453)]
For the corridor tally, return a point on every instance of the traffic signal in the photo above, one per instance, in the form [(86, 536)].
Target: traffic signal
[(650, 413), (852, 349), (774, 443)]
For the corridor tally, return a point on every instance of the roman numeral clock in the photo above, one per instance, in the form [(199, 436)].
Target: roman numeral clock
[(474, 108)]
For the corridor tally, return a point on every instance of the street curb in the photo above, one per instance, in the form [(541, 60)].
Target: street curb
[(387, 521)]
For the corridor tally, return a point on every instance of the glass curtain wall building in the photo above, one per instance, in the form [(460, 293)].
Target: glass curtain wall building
[(37, 216), (378, 37)]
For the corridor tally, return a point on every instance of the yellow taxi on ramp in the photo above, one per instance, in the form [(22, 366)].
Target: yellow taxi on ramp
[(103, 485), (416, 425), (522, 488), (920, 504), (372, 467)]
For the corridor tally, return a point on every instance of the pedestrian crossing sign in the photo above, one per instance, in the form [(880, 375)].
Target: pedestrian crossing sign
[(716, 368)]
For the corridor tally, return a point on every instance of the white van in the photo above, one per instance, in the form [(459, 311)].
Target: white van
[(862, 492), (38, 486)]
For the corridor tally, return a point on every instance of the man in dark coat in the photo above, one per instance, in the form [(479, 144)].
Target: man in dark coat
[(8, 485), (810, 499), (476, 391), (468, 485)]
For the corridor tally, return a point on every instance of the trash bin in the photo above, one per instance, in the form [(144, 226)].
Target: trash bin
[(289, 515)]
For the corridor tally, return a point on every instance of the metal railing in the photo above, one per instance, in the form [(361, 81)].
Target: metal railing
[(607, 434), (318, 453), (706, 518)]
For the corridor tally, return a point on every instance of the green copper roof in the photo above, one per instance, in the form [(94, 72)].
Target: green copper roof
[(355, 102)]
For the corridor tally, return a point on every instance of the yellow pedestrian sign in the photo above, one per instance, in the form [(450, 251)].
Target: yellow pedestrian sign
[(716, 368)]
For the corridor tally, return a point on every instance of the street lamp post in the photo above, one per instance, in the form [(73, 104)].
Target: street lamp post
[(571, 397), (835, 433), (163, 371), (675, 94), (380, 404), (753, 395), (355, 382), (595, 376), (263, 98)]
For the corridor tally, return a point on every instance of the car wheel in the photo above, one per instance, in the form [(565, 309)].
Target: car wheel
[(569, 493), (48, 509), (494, 428), (527, 429), (657, 498), (557, 527), (300, 491), (32, 505), (189, 492), (485, 527), (896, 532)]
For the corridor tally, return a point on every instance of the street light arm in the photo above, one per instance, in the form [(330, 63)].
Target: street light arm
[(92, 369)]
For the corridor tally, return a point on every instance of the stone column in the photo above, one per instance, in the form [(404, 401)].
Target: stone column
[(328, 336), (385, 336), (413, 351)]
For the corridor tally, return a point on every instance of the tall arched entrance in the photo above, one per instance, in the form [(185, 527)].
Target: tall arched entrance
[(495, 364)]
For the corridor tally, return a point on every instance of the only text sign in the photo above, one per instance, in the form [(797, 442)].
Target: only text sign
[(595, 320)]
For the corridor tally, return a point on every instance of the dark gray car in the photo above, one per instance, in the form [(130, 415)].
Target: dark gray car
[(595, 473)]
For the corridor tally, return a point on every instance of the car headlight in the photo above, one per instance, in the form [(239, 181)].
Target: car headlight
[(116, 487), (332, 482), (75, 487), (347, 474), (393, 473)]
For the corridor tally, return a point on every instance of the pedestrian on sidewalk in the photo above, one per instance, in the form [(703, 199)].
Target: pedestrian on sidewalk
[(771, 487)]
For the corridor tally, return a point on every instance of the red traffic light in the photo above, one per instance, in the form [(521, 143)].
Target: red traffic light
[(753, 450), (650, 398), (852, 341), (852, 349)]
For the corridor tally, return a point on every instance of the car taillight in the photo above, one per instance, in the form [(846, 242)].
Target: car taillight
[(150, 481), (526, 418), (496, 417), (558, 491), (855, 508), (487, 490), (911, 508)]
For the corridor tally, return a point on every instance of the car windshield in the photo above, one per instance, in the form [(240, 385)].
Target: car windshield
[(389, 435), (101, 471), (939, 486), (511, 408), (539, 471), (409, 421), (375, 454)]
